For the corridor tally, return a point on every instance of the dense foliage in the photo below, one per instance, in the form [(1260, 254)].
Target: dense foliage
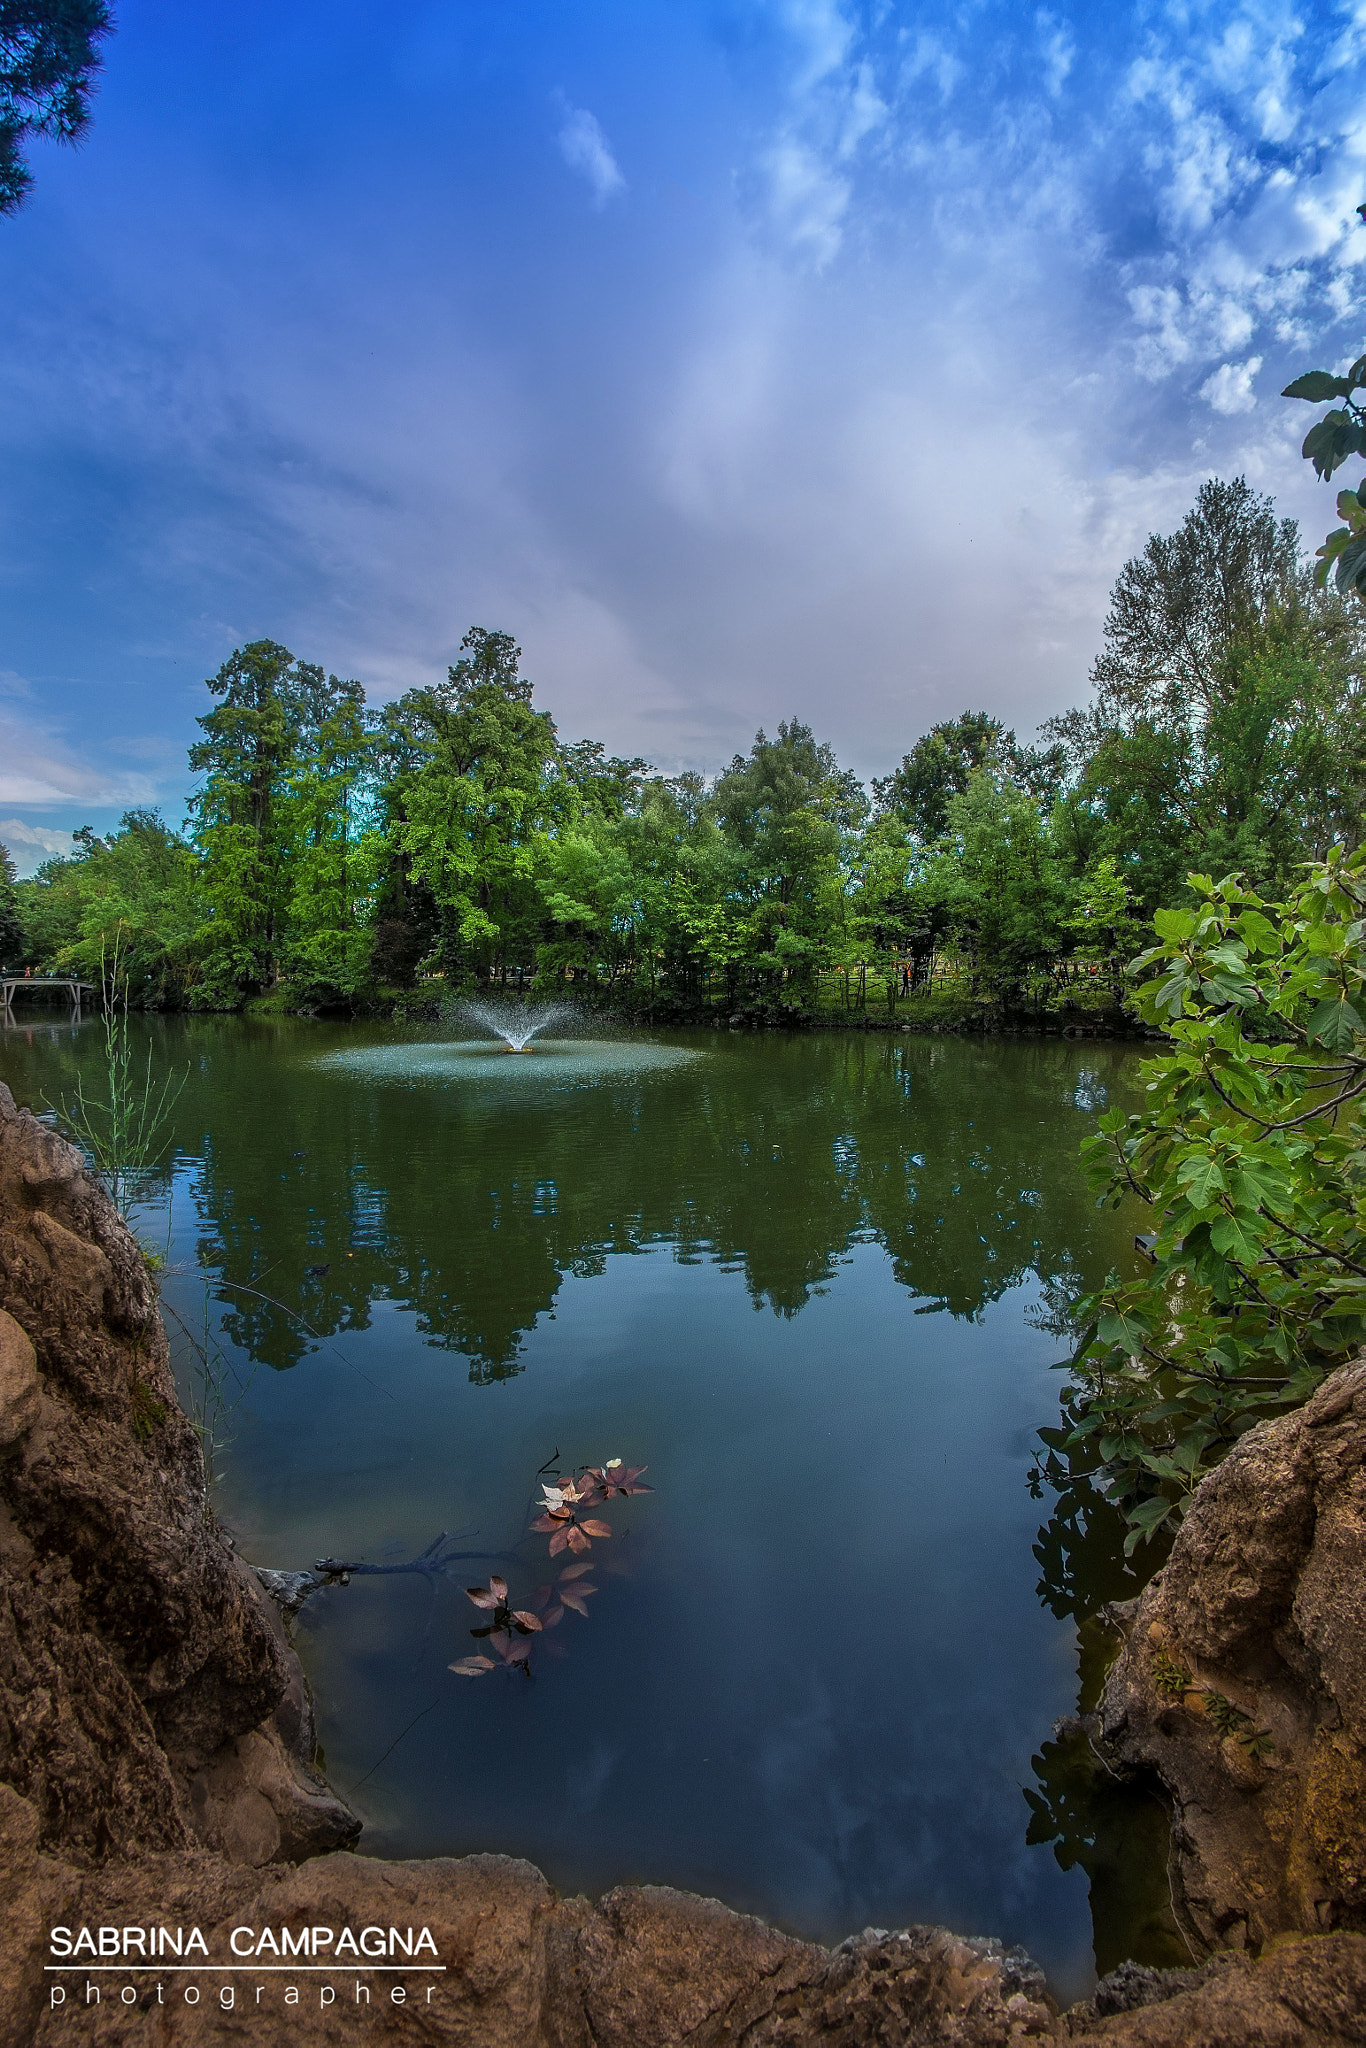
[(336, 854), (1249, 1160)]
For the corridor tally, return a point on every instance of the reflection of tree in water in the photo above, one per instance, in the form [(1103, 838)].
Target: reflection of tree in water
[(1114, 1829), (1117, 1832), (469, 1205)]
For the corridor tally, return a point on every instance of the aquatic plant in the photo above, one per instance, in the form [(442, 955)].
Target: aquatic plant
[(510, 1630), (121, 1124), (560, 1519)]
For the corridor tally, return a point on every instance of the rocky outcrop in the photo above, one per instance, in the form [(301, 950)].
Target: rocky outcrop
[(645, 1968), (148, 1700), (155, 1738), (1242, 1683)]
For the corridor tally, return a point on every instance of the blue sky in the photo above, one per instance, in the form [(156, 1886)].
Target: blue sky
[(745, 358)]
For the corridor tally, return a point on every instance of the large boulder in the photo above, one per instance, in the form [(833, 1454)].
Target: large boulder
[(1242, 1683)]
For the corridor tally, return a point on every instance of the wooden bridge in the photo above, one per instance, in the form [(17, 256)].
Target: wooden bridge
[(11, 983)]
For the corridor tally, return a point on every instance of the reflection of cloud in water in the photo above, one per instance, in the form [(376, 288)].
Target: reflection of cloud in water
[(585, 1780), (855, 1835), (553, 1060)]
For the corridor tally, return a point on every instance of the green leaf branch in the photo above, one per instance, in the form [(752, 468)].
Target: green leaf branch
[(1249, 1158)]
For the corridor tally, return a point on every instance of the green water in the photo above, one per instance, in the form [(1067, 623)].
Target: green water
[(813, 1283)]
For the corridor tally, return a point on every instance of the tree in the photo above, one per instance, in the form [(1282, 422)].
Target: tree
[(1248, 1158), (337, 855), (134, 894), (1227, 726), (942, 761), (996, 881), (48, 60), (247, 756), (787, 810), (273, 711), (475, 807), (11, 923)]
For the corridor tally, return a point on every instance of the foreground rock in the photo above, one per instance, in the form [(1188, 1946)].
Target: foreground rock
[(1242, 1684), (155, 1745), (645, 1968)]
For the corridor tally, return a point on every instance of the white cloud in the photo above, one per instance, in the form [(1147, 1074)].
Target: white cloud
[(1229, 390), (807, 199), (585, 149), (15, 833), (30, 845), (1059, 52), (40, 769)]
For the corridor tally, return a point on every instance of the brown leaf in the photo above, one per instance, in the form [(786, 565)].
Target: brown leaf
[(593, 1527), (498, 1586), (574, 1537), (552, 1617), (481, 1596), (472, 1667), (577, 1569), (529, 1622), (560, 1539), (554, 1519)]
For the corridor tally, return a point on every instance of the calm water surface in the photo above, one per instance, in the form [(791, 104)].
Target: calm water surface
[(808, 1281)]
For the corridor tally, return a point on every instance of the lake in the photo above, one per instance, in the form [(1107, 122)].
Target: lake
[(813, 1284)]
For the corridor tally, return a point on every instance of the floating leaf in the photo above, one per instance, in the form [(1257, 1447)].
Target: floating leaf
[(472, 1667), (594, 1527), (483, 1596), (528, 1623)]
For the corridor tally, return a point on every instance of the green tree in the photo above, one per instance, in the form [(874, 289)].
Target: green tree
[(337, 856), (1227, 724), (133, 896), (1248, 1159), (49, 56), (11, 921), (942, 762), (997, 882), (789, 811), (474, 810), (244, 823)]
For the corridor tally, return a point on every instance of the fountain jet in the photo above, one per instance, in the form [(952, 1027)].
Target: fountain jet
[(515, 1023)]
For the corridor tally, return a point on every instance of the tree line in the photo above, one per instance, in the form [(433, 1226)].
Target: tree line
[(336, 854)]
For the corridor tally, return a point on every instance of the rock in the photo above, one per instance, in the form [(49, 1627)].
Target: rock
[(19, 1395), (1258, 1610)]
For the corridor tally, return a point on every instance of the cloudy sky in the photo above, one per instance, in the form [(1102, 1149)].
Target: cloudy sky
[(744, 358)]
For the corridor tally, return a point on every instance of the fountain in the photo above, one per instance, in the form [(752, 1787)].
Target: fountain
[(515, 1023), (455, 1057)]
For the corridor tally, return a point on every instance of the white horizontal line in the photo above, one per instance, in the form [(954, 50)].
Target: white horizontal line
[(250, 1969)]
